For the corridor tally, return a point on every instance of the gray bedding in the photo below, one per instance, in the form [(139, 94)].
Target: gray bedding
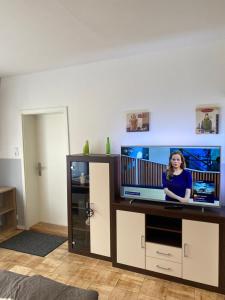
[(37, 287)]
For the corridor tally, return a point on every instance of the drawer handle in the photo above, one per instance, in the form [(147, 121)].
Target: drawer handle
[(167, 269), (161, 253), (142, 241), (185, 250)]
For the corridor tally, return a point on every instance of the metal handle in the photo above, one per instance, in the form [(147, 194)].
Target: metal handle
[(39, 168), (185, 250), (167, 269), (161, 253), (89, 209), (142, 241), (89, 212)]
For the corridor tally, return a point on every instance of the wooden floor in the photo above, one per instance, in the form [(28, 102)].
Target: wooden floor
[(85, 272), (51, 229)]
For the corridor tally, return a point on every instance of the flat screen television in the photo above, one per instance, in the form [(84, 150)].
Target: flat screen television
[(142, 168)]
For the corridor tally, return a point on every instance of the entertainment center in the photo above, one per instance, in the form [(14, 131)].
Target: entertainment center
[(183, 245)]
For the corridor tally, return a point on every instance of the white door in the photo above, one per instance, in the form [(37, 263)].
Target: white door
[(100, 202), (32, 203), (201, 252), (45, 144), (130, 229)]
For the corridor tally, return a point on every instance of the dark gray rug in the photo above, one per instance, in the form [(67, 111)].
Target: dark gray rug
[(34, 243)]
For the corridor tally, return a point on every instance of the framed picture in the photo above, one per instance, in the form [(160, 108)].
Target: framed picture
[(207, 120), (137, 121)]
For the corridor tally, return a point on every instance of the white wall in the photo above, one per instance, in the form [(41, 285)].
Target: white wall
[(170, 83)]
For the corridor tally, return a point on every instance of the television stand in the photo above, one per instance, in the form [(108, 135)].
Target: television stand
[(135, 200), (170, 243), (173, 207)]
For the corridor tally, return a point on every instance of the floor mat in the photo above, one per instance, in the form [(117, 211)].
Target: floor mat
[(34, 243)]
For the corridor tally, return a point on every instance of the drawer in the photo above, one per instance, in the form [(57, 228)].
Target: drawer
[(164, 266), (164, 252)]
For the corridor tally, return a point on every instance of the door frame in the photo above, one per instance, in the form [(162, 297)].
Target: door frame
[(40, 111)]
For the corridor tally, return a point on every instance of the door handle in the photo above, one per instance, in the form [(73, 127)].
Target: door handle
[(185, 250), (89, 209), (40, 168), (142, 241)]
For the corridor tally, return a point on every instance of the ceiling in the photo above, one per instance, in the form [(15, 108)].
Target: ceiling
[(37, 35)]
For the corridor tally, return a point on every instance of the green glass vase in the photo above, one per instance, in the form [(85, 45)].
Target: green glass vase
[(107, 146), (86, 148)]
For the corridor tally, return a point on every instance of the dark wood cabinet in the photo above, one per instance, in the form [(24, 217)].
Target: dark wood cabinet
[(91, 190)]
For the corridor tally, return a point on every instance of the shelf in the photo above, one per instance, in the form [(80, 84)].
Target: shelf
[(164, 238), (5, 189), (165, 223), (164, 229), (7, 227), (75, 182), (77, 207), (79, 211), (5, 210), (80, 186), (75, 229)]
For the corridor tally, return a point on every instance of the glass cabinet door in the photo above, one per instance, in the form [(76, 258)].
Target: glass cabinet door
[(80, 206)]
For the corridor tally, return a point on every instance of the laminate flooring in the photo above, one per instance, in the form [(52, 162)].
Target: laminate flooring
[(86, 272)]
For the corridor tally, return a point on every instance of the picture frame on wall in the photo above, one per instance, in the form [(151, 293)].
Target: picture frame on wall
[(137, 121), (207, 120)]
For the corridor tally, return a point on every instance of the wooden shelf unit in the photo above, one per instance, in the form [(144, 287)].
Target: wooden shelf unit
[(164, 230), (7, 209)]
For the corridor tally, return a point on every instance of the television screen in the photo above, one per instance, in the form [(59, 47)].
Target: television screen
[(142, 169)]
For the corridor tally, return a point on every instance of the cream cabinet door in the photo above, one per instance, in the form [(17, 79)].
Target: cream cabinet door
[(130, 229), (100, 203), (201, 252)]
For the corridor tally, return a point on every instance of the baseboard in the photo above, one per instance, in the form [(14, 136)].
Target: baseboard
[(22, 227)]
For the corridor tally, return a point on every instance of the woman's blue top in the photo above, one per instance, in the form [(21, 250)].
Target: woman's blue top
[(177, 183)]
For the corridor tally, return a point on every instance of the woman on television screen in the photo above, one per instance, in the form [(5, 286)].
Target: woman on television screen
[(177, 181)]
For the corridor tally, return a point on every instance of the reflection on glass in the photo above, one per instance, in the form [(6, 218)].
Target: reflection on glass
[(80, 206)]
